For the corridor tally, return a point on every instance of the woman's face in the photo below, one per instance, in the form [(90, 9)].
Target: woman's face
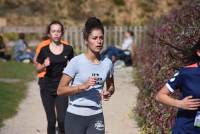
[(55, 32), (95, 40)]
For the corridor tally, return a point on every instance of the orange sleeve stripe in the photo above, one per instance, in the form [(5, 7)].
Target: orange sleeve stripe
[(41, 75), (193, 65), (41, 45), (38, 48)]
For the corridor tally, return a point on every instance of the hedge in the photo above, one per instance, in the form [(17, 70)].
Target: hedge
[(165, 45)]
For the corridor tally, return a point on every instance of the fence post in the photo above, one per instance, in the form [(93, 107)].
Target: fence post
[(112, 34)]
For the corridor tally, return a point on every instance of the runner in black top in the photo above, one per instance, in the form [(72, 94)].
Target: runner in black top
[(53, 58)]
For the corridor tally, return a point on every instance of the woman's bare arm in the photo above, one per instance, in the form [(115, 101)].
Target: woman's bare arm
[(110, 89), (65, 89), (42, 67), (188, 102)]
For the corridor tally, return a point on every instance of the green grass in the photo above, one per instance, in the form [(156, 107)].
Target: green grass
[(11, 94), (17, 70)]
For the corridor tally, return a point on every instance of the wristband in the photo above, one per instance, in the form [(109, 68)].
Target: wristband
[(77, 90)]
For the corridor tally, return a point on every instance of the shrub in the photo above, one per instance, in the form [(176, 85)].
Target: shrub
[(164, 48), (119, 2)]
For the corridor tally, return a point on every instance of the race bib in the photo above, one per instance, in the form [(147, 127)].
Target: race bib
[(197, 119)]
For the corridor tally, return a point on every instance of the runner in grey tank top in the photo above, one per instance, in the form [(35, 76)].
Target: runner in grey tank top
[(83, 81), (80, 68)]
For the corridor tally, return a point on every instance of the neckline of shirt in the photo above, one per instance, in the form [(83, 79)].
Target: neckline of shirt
[(54, 53), (89, 61)]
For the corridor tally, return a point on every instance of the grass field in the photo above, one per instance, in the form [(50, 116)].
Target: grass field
[(16, 70), (12, 93)]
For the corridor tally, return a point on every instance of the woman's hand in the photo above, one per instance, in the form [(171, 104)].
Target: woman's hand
[(105, 95), (90, 82), (47, 62), (189, 104), (41, 67)]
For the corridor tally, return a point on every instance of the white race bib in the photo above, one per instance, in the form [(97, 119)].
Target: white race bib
[(197, 119)]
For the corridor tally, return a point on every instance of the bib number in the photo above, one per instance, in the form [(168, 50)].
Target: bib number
[(197, 119)]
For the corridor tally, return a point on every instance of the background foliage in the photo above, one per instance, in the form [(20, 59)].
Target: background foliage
[(164, 48), (112, 12)]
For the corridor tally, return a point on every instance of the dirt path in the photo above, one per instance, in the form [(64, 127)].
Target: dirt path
[(31, 117), (118, 110)]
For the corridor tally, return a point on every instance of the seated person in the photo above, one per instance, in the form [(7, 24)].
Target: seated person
[(128, 41), (124, 53), (3, 50), (22, 52)]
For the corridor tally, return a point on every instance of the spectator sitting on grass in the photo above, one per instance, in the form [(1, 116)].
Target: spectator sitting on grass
[(22, 52), (124, 53)]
